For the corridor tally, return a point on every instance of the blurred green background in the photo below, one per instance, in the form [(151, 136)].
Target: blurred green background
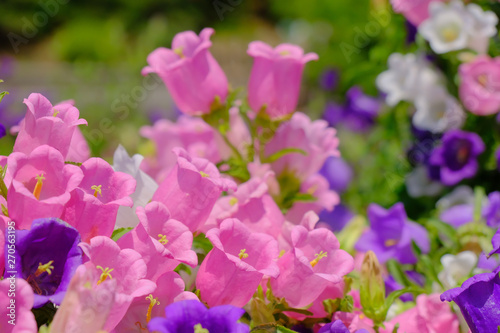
[(92, 52)]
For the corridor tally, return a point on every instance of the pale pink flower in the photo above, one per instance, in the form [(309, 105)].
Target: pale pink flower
[(16, 301)]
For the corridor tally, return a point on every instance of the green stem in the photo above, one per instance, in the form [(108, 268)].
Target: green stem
[(3, 188), (233, 148)]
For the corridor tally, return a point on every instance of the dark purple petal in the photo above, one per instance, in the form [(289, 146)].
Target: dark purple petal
[(3, 132), (335, 219), (329, 79), (180, 317), (225, 318)]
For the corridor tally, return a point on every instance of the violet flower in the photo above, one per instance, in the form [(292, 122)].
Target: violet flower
[(329, 79), (457, 155), (336, 219), (3, 132), (47, 256), (338, 173), (491, 211), (391, 235), (192, 316), (338, 326), (479, 300)]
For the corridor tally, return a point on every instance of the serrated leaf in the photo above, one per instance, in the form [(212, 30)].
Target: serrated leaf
[(118, 233)]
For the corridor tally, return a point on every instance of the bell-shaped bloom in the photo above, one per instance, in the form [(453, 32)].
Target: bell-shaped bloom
[(429, 315), (190, 133), (325, 199), (46, 256), (191, 189), (338, 326), (45, 124), (94, 205), (456, 157), (315, 138), (16, 301), (79, 150), (144, 189), (252, 205), (391, 234), (192, 75), (39, 185), (87, 303), (233, 269), (125, 266), (192, 316), (163, 242), (170, 289), (306, 270), (317, 308), (479, 87), (274, 83), (415, 11)]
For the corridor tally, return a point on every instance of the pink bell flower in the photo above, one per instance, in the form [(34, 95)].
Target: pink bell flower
[(192, 75), (275, 78), (16, 301), (234, 268), (191, 189)]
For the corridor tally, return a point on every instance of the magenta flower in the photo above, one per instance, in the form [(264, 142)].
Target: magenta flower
[(191, 189), (192, 75), (314, 262), (391, 234), (192, 316), (252, 205), (170, 289), (164, 243), (480, 86), (16, 317), (315, 138), (233, 269), (456, 157), (45, 124), (47, 256), (40, 185), (275, 78), (94, 205), (415, 11), (125, 266)]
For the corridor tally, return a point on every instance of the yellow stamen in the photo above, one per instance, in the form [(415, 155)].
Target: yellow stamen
[(162, 239), (282, 253), (243, 254), (55, 113), (152, 302), (390, 242), (106, 272), (233, 201), (449, 34), (178, 51), (312, 189), (318, 256), (483, 80), (203, 174), (199, 329), (97, 190), (284, 53), (38, 186), (44, 268)]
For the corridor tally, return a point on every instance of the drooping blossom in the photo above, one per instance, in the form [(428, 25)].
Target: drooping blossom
[(233, 269), (192, 316), (192, 75), (46, 256), (94, 205), (391, 234), (456, 268), (45, 124), (39, 185), (163, 242), (478, 299), (479, 88), (456, 157), (15, 310), (125, 266), (274, 84), (314, 261), (429, 315), (87, 303), (315, 138), (170, 290), (415, 11), (144, 189), (455, 26), (191, 189)]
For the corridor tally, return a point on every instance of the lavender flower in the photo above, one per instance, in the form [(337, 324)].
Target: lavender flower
[(338, 326), (337, 172)]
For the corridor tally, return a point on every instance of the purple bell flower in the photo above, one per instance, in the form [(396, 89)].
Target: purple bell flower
[(338, 326), (457, 155), (391, 234), (192, 316), (46, 256), (338, 173), (336, 219)]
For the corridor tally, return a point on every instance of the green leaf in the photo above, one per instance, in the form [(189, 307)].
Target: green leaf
[(396, 328), (281, 329), (304, 197), (202, 243), (415, 248), (398, 273), (282, 153), (347, 304), (2, 95), (73, 163), (184, 268), (118, 233), (398, 293)]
